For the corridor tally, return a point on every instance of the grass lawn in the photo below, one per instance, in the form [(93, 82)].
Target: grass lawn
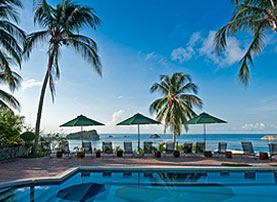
[(235, 164)]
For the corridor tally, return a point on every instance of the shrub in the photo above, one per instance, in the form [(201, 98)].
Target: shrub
[(11, 126), (28, 136)]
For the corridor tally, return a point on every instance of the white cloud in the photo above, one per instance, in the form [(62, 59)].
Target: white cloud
[(251, 126), (30, 83), (157, 58), (149, 56), (116, 116), (273, 126), (204, 47), (120, 97), (195, 37), (207, 47), (182, 54)]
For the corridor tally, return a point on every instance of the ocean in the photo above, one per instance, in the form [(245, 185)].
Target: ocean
[(233, 140)]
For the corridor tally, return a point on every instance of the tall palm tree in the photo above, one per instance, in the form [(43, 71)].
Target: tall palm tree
[(61, 28), (176, 105), (11, 38), (255, 16)]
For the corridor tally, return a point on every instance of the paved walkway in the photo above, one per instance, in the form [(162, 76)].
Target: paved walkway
[(42, 167)]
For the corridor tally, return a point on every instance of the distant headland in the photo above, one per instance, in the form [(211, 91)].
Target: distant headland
[(87, 135)]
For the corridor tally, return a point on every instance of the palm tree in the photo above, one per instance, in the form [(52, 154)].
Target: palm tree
[(176, 105), (61, 28), (11, 37), (255, 16)]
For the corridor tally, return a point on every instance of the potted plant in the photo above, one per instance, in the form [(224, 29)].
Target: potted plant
[(59, 153), (176, 153), (80, 152), (98, 153), (119, 152), (156, 152)]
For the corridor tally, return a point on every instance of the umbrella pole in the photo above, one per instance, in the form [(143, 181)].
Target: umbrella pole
[(138, 139), (82, 138), (204, 137)]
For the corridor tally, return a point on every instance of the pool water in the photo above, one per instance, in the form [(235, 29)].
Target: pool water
[(152, 186)]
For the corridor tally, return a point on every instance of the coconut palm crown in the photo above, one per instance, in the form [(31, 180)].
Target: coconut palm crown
[(11, 39), (176, 105), (256, 17), (61, 28)]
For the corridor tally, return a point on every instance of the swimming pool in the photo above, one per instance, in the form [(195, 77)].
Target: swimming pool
[(151, 186)]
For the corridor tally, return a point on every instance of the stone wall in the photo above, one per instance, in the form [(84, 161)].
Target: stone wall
[(12, 151)]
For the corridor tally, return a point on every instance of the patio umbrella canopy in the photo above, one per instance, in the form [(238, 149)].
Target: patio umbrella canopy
[(138, 119), (204, 119), (81, 121)]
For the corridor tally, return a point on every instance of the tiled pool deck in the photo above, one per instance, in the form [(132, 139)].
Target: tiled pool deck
[(16, 169)]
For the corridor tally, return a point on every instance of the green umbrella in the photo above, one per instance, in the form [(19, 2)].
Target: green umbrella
[(81, 121), (205, 118), (138, 119)]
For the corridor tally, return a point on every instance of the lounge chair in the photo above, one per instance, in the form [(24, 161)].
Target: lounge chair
[(148, 148), (87, 148), (64, 146), (46, 148), (169, 148), (272, 150), (187, 148), (128, 148), (248, 149), (222, 148), (107, 148), (200, 147)]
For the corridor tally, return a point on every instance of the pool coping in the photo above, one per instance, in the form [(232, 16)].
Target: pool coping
[(60, 178)]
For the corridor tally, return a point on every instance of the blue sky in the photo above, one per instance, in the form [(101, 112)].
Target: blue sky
[(140, 40)]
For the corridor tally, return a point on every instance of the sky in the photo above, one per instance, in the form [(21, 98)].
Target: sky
[(138, 41)]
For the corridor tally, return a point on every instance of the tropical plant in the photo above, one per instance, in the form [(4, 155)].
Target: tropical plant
[(11, 38), (254, 16), (176, 105), (162, 147), (61, 28), (11, 126)]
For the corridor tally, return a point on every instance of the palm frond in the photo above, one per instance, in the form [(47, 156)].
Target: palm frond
[(8, 9), (254, 48), (12, 79), (88, 52), (7, 100), (34, 39), (44, 14), (76, 16), (9, 44), (158, 104)]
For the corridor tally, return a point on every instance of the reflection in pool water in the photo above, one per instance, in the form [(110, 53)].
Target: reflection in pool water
[(151, 186)]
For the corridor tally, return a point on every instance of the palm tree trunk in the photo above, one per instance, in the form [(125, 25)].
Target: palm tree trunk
[(174, 136), (41, 99)]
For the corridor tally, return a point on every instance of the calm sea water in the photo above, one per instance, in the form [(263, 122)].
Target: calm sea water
[(233, 140)]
